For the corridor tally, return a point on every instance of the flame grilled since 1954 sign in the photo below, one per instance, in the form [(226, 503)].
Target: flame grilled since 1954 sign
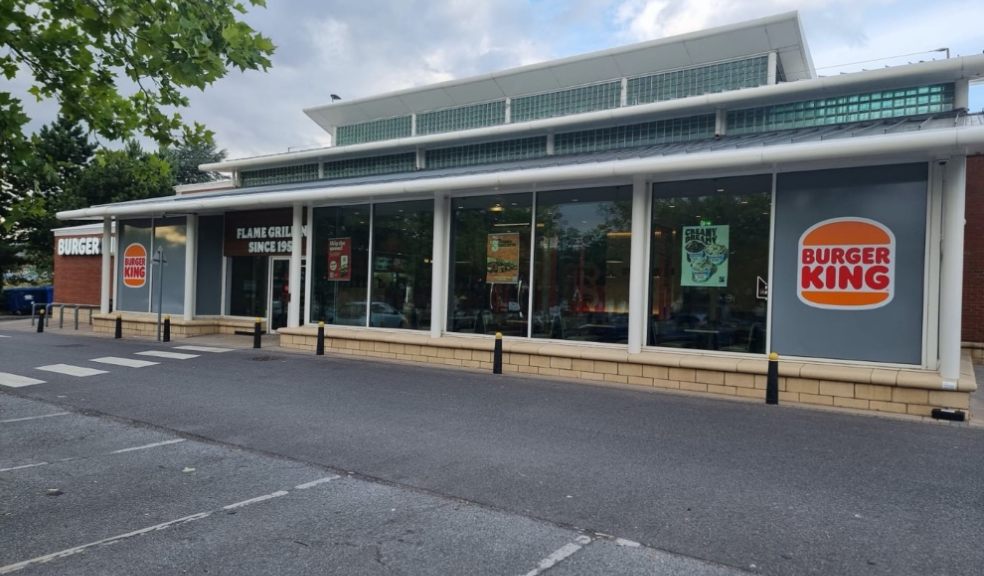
[(259, 233)]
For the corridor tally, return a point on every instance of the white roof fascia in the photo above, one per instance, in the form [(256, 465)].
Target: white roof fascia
[(953, 69), (781, 33), (203, 187), (928, 144), (83, 230)]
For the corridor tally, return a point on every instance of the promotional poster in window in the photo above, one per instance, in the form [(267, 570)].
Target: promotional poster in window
[(502, 258), (704, 261)]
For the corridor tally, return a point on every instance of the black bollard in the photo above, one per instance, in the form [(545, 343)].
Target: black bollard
[(497, 355), (772, 382), (119, 327), (41, 321), (167, 328), (320, 349), (256, 333)]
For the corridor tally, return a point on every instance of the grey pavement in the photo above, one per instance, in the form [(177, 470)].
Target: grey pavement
[(705, 485), (129, 499)]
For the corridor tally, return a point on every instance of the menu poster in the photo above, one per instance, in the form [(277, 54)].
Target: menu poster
[(502, 258), (339, 259), (704, 260)]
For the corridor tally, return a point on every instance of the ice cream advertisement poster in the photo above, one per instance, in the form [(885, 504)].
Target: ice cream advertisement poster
[(705, 256), (502, 258)]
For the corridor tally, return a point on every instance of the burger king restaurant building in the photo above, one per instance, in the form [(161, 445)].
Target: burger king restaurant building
[(659, 215)]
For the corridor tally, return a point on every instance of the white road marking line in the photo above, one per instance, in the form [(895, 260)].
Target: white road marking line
[(203, 349), (111, 540), (4, 336), (26, 418), (263, 498), (80, 371), (128, 362), (560, 554), (147, 446), (164, 354), (627, 543), (317, 482), (12, 468), (15, 381)]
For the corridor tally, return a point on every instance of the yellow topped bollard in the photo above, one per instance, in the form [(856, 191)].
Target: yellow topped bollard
[(167, 328), (319, 349), (497, 354), (256, 332), (772, 381)]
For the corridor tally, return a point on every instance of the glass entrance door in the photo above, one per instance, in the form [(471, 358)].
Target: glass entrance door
[(281, 292)]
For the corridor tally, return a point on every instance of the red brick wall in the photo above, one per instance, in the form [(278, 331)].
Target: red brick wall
[(973, 288), (77, 278)]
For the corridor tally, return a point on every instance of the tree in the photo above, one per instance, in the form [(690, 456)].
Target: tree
[(62, 173), (78, 51), (185, 159)]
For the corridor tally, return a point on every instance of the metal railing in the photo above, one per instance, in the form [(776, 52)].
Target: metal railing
[(49, 306)]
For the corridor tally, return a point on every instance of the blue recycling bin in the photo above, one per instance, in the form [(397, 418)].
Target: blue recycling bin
[(19, 300)]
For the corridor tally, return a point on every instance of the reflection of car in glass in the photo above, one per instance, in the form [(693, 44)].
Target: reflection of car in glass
[(381, 314)]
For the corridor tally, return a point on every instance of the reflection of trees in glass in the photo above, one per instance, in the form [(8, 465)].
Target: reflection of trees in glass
[(711, 317), (474, 304)]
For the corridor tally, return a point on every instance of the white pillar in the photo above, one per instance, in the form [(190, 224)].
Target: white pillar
[(638, 267), (439, 300), (191, 268), (951, 275), (107, 268), (294, 305)]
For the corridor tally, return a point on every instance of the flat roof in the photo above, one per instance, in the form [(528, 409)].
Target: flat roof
[(781, 33)]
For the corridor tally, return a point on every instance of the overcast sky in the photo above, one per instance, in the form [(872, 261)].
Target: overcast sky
[(366, 47)]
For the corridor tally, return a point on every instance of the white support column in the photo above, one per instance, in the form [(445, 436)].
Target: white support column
[(191, 268), (107, 268), (951, 278), (638, 267), (294, 305), (773, 68), (439, 300)]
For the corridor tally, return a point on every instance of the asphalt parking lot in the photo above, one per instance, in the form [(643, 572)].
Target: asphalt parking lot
[(86, 494)]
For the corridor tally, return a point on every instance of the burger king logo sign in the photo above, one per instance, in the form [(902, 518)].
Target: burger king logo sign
[(847, 264), (135, 266)]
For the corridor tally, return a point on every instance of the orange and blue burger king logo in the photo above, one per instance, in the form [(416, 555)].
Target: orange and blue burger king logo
[(846, 264), (135, 266)]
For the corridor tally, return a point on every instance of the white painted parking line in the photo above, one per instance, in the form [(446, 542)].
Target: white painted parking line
[(560, 554), (26, 418), (80, 371), (256, 500), (146, 446), (203, 349), (128, 362), (36, 464), (164, 354), (9, 568), (317, 482), (15, 381)]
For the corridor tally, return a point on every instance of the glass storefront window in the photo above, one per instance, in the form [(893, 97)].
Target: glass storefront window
[(581, 269), (402, 246), (709, 255), (248, 286), (490, 263), (340, 264)]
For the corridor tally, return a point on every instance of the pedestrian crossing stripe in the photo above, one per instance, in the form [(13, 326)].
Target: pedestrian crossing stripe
[(165, 354), (15, 381), (69, 369), (128, 362), (203, 349)]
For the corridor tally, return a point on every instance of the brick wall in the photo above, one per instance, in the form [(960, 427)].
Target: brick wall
[(77, 278), (973, 288)]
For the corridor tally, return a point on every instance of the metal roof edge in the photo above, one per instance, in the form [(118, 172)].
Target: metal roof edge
[(958, 140), (952, 69)]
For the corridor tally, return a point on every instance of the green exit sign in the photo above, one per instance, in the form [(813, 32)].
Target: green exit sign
[(706, 223)]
